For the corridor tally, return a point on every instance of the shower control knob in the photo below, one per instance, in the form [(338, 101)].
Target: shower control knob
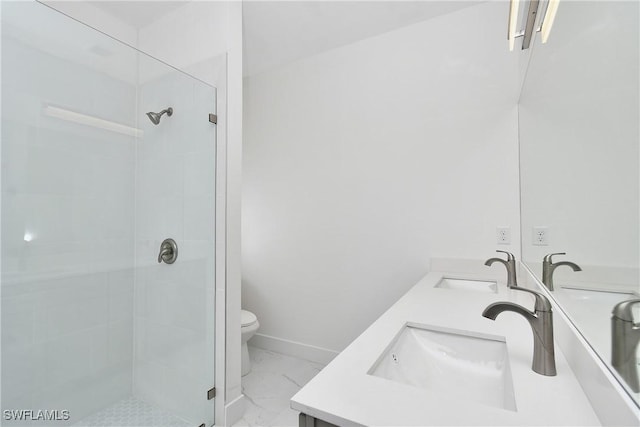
[(168, 251)]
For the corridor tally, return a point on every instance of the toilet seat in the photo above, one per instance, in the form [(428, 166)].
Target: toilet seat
[(247, 318)]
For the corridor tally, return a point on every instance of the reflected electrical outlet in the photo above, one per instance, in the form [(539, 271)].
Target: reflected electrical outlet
[(540, 236)]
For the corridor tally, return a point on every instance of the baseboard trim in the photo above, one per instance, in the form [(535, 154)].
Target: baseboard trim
[(234, 410), (293, 348)]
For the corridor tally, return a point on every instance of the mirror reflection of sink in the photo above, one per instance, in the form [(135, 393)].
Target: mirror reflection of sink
[(593, 303), (608, 298), (460, 364), (467, 285)]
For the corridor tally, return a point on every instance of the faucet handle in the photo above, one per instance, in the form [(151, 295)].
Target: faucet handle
[(542, 302), (510, 256), (547, 258), (623, 310), (168, 251)]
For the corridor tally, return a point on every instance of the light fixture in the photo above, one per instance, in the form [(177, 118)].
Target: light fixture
[(530, 16), (83, 119), (513, 22), (549, 17), (531, 20)]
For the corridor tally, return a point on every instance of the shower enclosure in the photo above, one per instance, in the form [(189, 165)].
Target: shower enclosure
[(97, 327)]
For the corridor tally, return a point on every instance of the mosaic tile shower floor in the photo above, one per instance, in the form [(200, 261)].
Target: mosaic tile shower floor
[(132, 412)]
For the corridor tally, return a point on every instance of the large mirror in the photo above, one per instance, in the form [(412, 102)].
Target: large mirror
[(580, 186)]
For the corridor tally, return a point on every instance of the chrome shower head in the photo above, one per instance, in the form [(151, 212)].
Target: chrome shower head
[(155, 117)]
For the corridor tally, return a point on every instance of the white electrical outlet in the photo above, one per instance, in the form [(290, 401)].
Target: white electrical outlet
[(503, 235), (540, 236)]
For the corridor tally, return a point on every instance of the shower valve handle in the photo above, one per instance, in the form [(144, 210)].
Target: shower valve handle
[(168, 251)]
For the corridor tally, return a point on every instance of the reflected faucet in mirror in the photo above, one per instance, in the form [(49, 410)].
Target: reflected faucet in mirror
[(541, 321), (625, 336), (510, 265), (548, 267)]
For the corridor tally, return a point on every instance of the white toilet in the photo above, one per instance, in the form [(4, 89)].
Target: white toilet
[(249, 327)]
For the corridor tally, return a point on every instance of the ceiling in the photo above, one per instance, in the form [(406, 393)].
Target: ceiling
[(138, 14), (279, 32)]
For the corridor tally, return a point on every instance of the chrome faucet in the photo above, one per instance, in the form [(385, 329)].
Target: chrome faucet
[(548, 267), (510, 265), (541, 321), (625, 336)]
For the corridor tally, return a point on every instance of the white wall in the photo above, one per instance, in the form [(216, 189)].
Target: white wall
[(97, 18), (234, 397), (193, 38), (362, 163)]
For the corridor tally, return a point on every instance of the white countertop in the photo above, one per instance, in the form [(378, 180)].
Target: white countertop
[(344, 394)]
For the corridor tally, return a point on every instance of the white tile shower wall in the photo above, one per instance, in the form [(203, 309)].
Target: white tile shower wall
[(363, 162), (175, 196), (68, 342), (67, 221)]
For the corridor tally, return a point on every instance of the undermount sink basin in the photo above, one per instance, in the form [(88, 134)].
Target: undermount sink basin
[(460, 364), (468, 285)]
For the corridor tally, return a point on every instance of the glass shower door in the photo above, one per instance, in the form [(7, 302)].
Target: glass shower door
[(175, 199), (94, 331)]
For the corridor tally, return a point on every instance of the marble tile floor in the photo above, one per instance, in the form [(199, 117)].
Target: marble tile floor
[(273, 380)]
